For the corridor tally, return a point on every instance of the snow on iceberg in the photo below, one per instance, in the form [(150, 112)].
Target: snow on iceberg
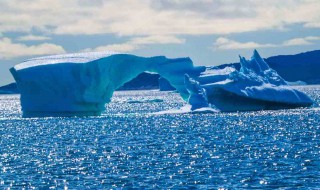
[(255, 87), (81, 84)]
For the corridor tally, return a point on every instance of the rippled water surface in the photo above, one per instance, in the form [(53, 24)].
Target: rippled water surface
[(127, 147)]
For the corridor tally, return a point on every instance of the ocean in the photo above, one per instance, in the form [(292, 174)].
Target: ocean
[(133, 145)]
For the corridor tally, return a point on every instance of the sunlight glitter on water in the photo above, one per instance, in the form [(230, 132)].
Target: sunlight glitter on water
[(127, 147)]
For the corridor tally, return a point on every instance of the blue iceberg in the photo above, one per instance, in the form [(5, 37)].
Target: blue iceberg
[(255, 87), (81, 84)]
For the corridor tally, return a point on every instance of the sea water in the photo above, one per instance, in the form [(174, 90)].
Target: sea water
[(132, 145)]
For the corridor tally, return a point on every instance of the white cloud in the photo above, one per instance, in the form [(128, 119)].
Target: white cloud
[(312, 38), (33, 38), (137, 43), (157, 40), (296, 42), (301, 41), (163, 17), (113, 47), (9, 50), (312, 25), (228, 44)]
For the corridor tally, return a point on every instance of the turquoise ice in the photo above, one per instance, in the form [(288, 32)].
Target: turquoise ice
[(255, 87), (81, 84)]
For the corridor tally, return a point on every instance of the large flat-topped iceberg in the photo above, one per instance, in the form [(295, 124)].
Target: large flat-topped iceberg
[(81, 84), (255, 87)]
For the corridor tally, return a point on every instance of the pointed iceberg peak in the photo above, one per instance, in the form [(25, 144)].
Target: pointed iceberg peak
[(259, 61), (256, 64), (244, 65), (256, 54)]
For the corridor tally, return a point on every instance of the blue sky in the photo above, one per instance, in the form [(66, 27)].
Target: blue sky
[(211, 32)]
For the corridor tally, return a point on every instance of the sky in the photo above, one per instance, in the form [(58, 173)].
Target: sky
[(210, 32)]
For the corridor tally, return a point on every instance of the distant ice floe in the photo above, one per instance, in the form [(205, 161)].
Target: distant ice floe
[(187, 109)]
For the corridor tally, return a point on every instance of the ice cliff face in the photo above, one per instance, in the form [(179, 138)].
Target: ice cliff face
[(255, 87), (81, 84)]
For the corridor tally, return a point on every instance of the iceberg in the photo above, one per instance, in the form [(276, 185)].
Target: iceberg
[(197, 95), (81, 84), (255, 87)]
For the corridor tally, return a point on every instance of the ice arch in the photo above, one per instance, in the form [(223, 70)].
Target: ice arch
[(81, 84)]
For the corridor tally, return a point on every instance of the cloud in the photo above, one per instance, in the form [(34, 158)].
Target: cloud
[(157, 40), (228, 44), (301, 41), (210, 8), (113, 47), (149, 18), (9, 50), (137, 43), (296, 42), (312, 25), (312, 38), (33, 38)]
